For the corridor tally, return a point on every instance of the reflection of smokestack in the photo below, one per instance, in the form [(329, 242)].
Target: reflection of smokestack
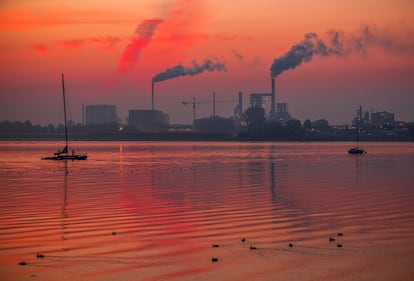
[(152, 96), (240, 103), (273, 105)]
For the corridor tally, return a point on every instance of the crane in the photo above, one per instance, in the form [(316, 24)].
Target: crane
[(195, 103)]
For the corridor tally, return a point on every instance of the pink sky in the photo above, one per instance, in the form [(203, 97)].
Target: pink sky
[(110, 52)]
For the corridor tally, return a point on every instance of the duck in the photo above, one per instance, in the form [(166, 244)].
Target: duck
[(214, 259), (252, 248), (331, 239), (215, 245), (290, 245)]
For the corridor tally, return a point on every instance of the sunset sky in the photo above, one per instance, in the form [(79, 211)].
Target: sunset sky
[(111, 50)]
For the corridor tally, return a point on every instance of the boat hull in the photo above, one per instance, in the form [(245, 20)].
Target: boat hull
[(356, 150), (66, 157)]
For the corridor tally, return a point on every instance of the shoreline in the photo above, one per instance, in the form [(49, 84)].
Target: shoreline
[(193, 137)]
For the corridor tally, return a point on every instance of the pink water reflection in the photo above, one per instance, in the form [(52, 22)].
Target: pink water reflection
[(168, 202)]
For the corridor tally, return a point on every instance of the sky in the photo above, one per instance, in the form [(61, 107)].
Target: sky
[(328, 57)]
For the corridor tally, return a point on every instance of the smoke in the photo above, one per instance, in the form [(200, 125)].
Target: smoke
[(42, 48), (340, 44), (179, 70), (143, 34)]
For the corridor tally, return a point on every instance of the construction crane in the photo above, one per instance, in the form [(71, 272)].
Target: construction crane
[(195, 103)]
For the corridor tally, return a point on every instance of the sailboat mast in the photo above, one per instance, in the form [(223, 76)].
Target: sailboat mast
[(64, 110)]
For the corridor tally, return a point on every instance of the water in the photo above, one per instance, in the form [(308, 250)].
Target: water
[(168, 202)]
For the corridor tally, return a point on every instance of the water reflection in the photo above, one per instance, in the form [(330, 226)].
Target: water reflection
[(169, 202), (272, 173), (65, 198)]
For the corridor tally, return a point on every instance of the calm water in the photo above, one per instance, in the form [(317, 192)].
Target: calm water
[(168, 202)]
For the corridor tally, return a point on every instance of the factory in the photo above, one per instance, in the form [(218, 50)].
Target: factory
[(99, 114), (145, 120), (155, 121), (278, 111)]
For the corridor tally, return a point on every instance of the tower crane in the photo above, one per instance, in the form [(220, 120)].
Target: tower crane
[(195, 103)]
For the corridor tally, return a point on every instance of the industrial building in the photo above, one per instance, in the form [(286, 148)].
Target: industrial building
[(382, 119), (214, 125), (147, 120), (100, 114), (282, 115), (278, 111), (378, 120)]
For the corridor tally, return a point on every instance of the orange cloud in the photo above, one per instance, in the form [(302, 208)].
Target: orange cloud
[(228, 37), (18, 19), (72, 44), (107, 42), (42, 48)]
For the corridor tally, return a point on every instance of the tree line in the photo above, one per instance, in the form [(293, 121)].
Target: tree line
[(26, 127)]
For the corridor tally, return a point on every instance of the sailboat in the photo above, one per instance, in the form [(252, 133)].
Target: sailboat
[(64, 154), (357, 149)]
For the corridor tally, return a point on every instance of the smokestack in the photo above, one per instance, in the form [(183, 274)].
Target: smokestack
[(83, 114), (152, 96), (273, 105)]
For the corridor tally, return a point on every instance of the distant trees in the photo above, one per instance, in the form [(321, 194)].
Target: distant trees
[(321, 125), (294, 129), (258, 128), (21, 127), (411, 130), (18, 127)]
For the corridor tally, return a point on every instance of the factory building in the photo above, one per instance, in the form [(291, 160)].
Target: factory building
[(278, 111), (100, 114), (282, 115), (147, 120), (382, 119), (214, 125)]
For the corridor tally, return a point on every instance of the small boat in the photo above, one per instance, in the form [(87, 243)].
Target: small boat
[(64, 154), (357, 149)]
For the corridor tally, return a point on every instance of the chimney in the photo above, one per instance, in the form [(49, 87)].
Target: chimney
[(152, 96), (273, 100)]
